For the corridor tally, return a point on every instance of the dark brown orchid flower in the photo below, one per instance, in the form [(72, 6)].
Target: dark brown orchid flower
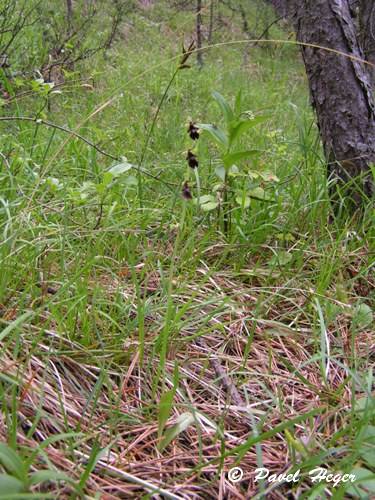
[(192, 159), (193, 131), (186, 191)]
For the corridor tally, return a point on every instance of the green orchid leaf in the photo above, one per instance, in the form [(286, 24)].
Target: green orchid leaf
[(225, 107), (216, 133), (232, 158), (245, 125)]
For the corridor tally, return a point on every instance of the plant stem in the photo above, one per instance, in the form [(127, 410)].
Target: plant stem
[(225, 206), (198, 187), (149, 134), (165, 333)]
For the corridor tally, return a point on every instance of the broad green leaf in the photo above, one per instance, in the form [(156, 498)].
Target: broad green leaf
[(220, 172), (183, 422), (282, 258), (367, 449), (362, 316), (107, 178), (243, 126), (48, 475), (260, 194), (216, 133), (165, 405), (204, 199), (12, 462), (364, 485), (101, 188), (10, 484), (244, 202), (225, 107), (211, 205), (120, 168), (232, 158)]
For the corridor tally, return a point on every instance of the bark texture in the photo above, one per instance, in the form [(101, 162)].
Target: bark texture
[(340, 91), (69, 14), (281, 7), (198, 28), (211, 23), (366, 13)]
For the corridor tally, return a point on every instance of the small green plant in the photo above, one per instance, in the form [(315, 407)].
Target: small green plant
[(18, 478), (238, 182), (108, 190)]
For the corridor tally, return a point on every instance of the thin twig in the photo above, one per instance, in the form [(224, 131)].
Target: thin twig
[(39, 121), (266, 30), (101, 464), (224, 379), (149, 134)]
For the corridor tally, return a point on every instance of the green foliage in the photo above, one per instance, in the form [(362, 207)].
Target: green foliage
[(99, 293), (38, 39), (363, 317), (239, 182), (18, 478), (182, 423), (166, 402)]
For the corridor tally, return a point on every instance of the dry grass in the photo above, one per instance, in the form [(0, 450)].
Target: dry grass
[(108, 273), (247, 370)]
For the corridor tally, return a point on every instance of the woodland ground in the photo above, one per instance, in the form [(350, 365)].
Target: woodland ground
[(141, 347)]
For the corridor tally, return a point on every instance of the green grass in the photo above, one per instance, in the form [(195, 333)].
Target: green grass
[(113, 307)]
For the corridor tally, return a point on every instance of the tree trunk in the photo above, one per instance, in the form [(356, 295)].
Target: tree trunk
[(211, 25), (69, 14), (281, 6), (367, 33), (199, 34), (340, 92)]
